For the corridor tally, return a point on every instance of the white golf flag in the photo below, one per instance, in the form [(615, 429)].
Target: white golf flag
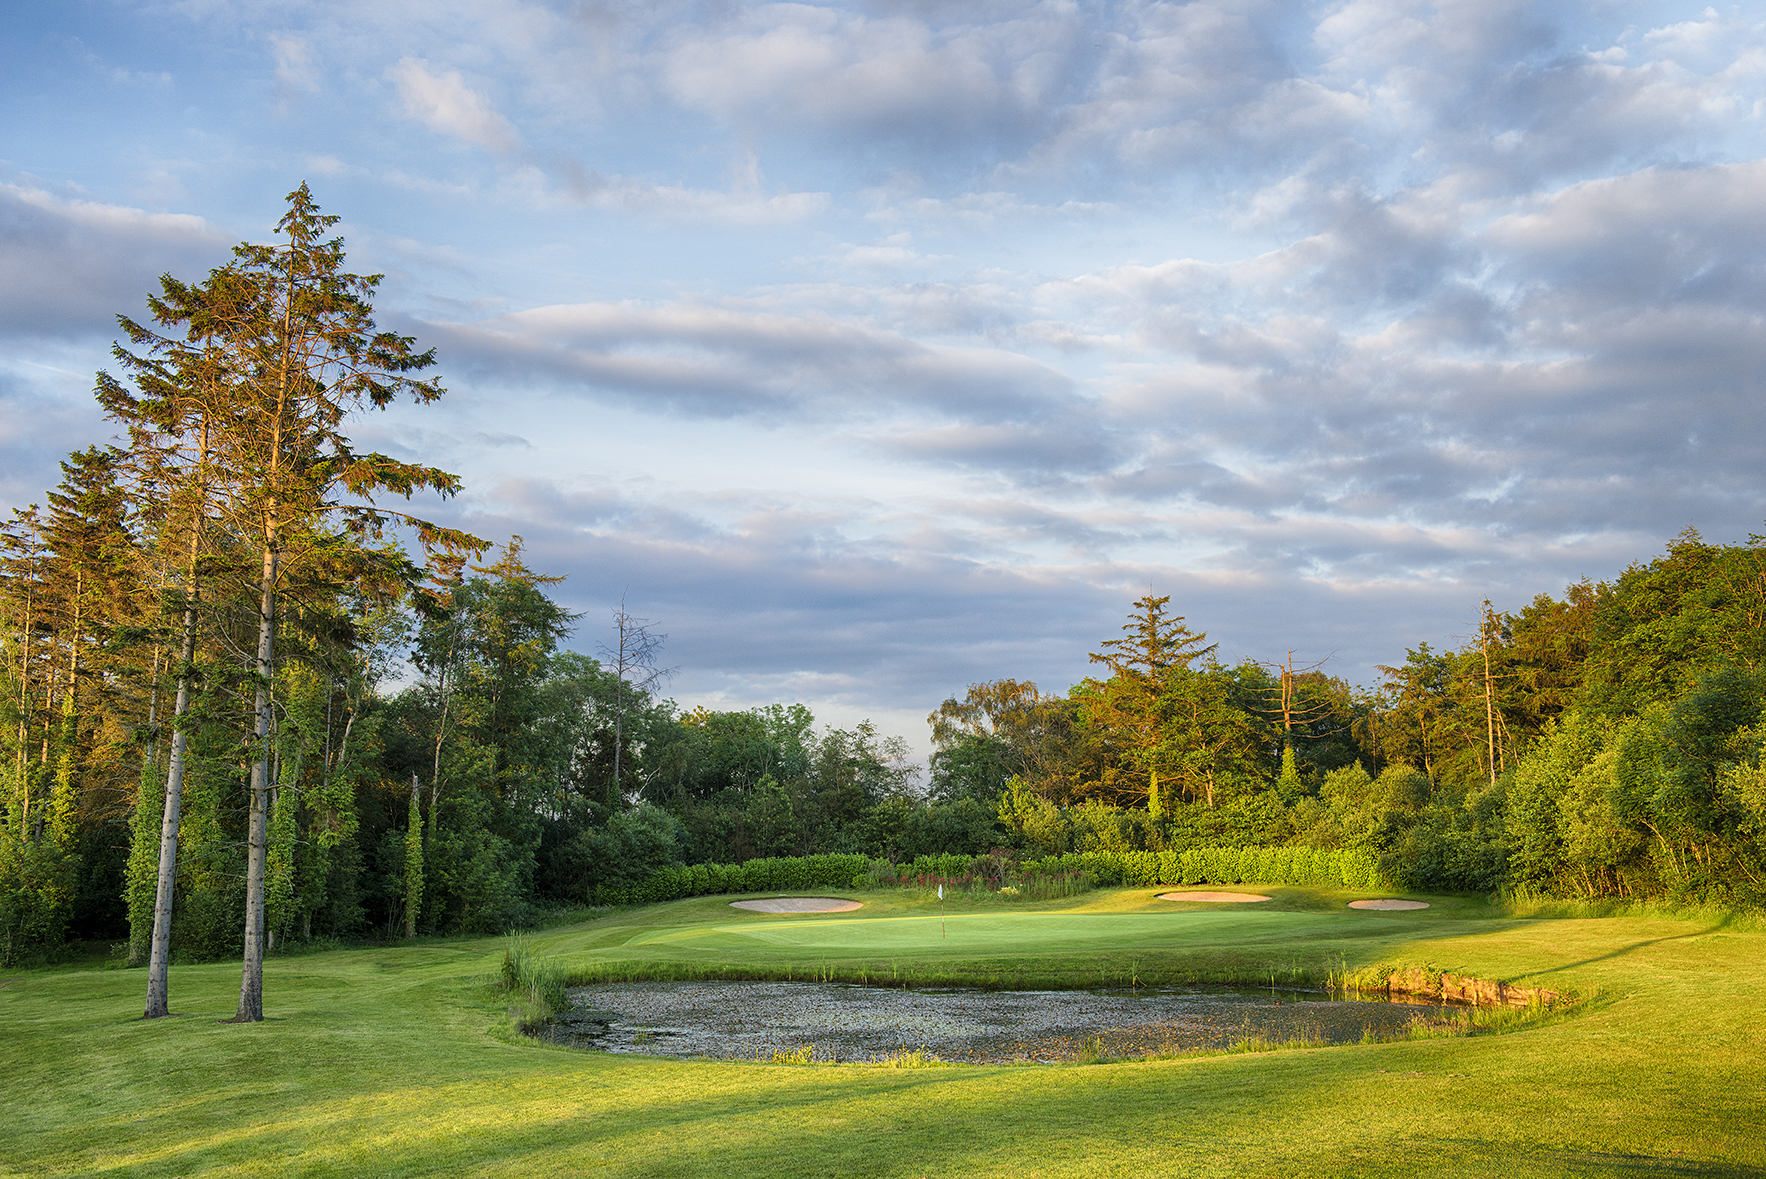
[(941, 892)]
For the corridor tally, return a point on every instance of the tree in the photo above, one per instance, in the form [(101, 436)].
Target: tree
[(413, 863), (998, 729), (633, 660), (493, 757), (1287, 699), (1129, 704), (1548, 648), (1204, 739), (25, 569), (1418, 719), (182, 385), (304, 355)]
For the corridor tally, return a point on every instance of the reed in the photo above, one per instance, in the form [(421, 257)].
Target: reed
[(535, 985), (902, 1058)]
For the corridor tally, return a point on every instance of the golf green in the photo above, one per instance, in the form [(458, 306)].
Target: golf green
[(1020, 933)]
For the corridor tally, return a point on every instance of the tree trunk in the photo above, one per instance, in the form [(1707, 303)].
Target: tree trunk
[(159, 953), (1489, 694), (251, 981), (619, 706), (160, 942), (24, 716), (443, 684)]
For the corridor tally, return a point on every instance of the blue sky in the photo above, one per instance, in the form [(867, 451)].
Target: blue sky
[(876, 349)]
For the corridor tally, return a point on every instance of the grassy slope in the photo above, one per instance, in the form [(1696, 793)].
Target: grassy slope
[(394, 1062)]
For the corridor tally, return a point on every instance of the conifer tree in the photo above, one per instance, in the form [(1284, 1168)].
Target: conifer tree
[(182, 384), (240, 415), (311, 357), (1154, 647)]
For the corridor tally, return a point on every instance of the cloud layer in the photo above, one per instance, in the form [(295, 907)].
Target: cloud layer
[(878, 348)]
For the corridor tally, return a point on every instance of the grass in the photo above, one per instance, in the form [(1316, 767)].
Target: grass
[(403, 1061)]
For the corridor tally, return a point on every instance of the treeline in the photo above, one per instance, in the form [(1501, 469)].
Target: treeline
[(1605, 744), (236, 713)]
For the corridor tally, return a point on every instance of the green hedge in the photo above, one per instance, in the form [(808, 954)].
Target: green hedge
[(1202, 865), (779, 874), (1221, 865), (948, 866)]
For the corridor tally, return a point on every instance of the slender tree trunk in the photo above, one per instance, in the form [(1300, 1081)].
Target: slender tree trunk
[(251, 975), (251, 981), (160, 945), (1489, 694), (24, 718), (618, 798), (159, 952), (618, 726)]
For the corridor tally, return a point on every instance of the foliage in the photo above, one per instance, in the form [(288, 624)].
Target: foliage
[(1337, 868), (771, 874)]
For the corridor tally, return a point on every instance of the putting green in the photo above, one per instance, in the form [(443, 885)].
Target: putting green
[(1024, 933)]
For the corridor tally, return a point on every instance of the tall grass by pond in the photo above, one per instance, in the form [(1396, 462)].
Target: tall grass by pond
[(1106, 971), (535, 984)]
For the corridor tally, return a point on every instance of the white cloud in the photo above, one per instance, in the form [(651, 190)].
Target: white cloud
[(720, 362), (69, 266), (297, 71), (744, 205), (445, 103), (820, 68)]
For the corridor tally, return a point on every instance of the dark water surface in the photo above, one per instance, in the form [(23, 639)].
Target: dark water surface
[(748, 1021)]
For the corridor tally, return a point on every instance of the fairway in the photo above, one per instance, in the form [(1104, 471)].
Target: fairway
[(398, 1060)]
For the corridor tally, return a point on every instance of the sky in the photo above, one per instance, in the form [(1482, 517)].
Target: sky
[(872, 350)]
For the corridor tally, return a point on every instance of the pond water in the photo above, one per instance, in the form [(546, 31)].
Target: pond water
[(749, 1021)]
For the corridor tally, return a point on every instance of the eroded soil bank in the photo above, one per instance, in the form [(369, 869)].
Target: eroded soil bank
[(754, 1020)]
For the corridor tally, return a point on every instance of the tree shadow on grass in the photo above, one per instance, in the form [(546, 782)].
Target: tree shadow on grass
[(1621, 951), (1199, 1119)]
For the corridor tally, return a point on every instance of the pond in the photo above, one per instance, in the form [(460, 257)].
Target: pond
[(750, 1021)]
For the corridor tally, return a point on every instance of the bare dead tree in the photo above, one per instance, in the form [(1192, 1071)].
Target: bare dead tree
[(1285, 694), (633, 658)]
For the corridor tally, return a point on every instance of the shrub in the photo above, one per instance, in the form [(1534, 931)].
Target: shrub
[(773, 874), (1049, 878), (633, 847), (1333, 868)]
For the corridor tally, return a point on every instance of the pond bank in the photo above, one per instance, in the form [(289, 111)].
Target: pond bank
[(1441, 987)]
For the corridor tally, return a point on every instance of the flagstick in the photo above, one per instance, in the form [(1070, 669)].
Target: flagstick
[(941, 911)]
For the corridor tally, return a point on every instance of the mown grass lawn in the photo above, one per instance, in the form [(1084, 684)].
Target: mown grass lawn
[(398, 1061)]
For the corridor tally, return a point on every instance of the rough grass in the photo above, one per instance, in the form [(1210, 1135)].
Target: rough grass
[(402, 1061)]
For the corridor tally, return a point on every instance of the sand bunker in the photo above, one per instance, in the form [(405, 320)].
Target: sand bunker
[(1229, 898), (798, 905), (1388, 904)]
